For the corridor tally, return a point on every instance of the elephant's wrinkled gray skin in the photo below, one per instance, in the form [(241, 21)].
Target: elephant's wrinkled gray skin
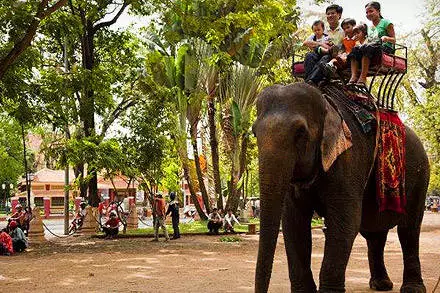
[(290, 131)]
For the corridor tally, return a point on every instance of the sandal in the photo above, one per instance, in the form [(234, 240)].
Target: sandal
[(351, 85), (361, 84), (351, 81)]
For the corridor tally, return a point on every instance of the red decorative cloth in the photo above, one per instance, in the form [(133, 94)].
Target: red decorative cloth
[(390, 163), (6, 240), (112, 223)]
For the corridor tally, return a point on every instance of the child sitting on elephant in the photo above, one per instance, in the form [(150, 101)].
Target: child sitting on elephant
[(381, 38), (349, 41)]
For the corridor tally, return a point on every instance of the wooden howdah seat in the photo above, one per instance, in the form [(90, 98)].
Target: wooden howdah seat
[(391, 69)]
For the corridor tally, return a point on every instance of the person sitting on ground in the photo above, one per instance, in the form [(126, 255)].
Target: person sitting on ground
[(381, 38), (348, 43), (6, 247), (160, 218), (229, 222), (111, 227), (19, 215), (214, 222), (19, 240), (173, 208)]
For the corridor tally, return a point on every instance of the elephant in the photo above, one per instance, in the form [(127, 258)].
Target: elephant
[(294, 123)]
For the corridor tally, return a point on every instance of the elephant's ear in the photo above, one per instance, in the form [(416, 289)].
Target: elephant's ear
[(336, 137)]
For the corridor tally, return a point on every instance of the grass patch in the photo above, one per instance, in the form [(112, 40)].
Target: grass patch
[(200, 227), (196, 227), (317, 222), (230, 239)]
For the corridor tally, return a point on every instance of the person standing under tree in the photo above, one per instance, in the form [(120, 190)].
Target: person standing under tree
[(160, 218), (173, 208)]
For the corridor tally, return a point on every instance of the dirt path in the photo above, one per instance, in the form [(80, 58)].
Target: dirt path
[(191, 264)]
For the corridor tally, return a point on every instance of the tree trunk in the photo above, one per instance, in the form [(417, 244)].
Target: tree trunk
[(93, 188), (87, 105), (199, 170), (79, 171), (214, 152), (192, 191), (236, 174)]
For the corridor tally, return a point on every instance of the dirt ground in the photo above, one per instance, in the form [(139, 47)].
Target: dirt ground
[(190, 264)]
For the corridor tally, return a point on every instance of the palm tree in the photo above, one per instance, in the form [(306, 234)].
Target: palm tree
[(238, 93)]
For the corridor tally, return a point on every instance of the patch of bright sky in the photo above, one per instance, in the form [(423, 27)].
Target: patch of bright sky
[(406, 15)]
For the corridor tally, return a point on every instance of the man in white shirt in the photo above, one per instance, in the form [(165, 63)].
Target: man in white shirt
[(229, 222)]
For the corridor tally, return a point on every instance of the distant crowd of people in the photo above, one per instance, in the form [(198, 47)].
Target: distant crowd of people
[(216, 219)]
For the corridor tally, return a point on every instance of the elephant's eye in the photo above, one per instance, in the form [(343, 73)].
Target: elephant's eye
[(301, 132)]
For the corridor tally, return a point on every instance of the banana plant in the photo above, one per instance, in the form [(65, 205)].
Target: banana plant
[(239, 91)]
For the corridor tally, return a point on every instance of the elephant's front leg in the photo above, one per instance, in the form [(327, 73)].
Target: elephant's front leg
[(343, 222), (298, 242)]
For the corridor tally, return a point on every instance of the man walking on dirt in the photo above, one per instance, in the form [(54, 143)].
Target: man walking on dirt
[(160, 218)]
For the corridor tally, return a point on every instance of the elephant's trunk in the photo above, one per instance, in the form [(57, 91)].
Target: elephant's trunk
[(274, 183)]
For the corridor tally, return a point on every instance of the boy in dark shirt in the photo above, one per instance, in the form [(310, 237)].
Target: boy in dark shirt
[(173, 208)]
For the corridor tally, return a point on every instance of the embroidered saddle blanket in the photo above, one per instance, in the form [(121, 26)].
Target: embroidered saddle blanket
[(390, 158)]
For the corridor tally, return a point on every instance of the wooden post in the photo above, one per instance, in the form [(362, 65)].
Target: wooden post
[(36, 230), (90, 224), (132, 221), (252, 229)]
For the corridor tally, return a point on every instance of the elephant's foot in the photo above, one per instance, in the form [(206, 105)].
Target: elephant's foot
[(303, 287), (384, 284), (323, 290), (413, 288)]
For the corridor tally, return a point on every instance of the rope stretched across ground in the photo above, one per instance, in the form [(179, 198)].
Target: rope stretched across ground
[(62, 236)]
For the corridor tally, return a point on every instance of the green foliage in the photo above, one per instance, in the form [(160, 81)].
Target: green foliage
[(11, 150), (154, 86), (171, 172), (241, 29), (316, 222), (423, 88)]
